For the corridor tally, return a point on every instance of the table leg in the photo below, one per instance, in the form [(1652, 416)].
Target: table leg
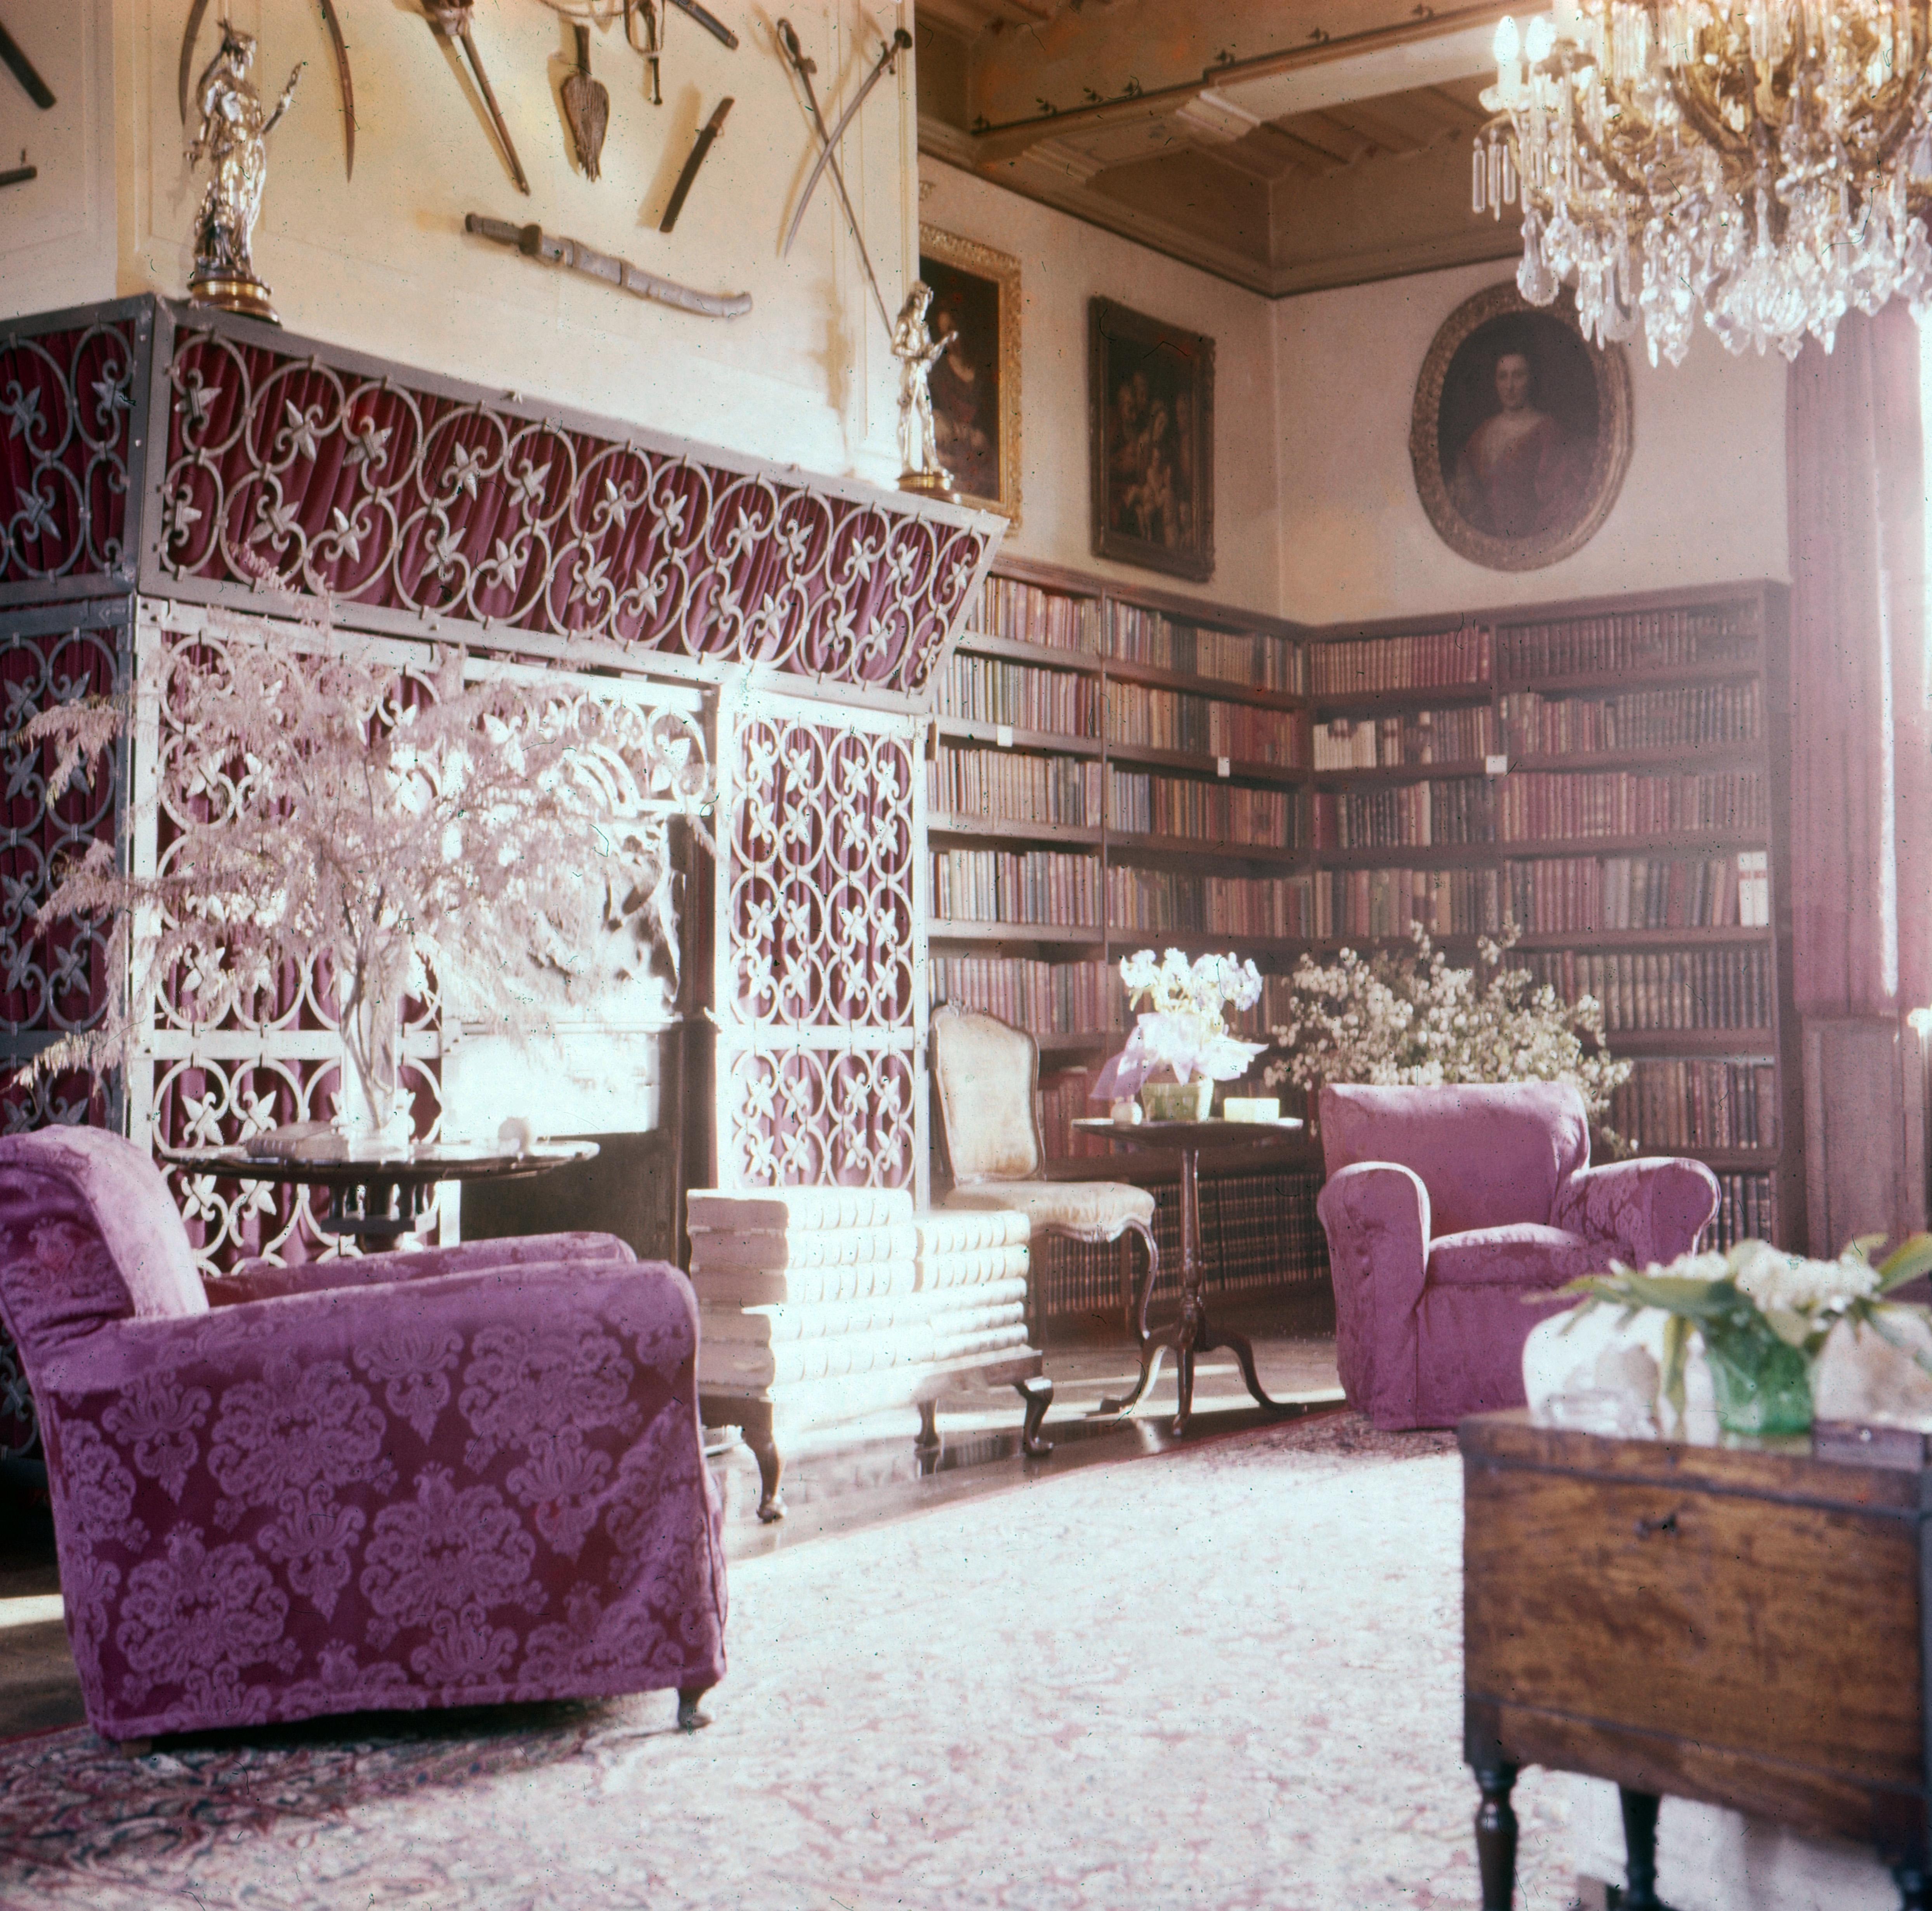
[(1495, 1836), (1640, 1851)]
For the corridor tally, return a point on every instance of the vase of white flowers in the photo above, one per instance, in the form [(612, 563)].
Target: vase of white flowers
[(1763, 1317), (1180, 1046)]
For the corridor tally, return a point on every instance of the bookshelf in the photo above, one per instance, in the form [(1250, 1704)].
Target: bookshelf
[(1113, 768)]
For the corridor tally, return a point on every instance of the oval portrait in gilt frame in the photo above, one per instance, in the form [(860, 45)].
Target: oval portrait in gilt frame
[(1521, 432)]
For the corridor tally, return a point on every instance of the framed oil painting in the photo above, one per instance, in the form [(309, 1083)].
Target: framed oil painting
[(976, 384), (1521, 432), (1151, 433)]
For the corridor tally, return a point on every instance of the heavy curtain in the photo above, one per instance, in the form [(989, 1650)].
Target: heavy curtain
[(1861, 729)]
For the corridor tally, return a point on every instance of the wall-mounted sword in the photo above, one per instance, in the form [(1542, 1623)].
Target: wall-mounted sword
[(710, 132), (21, 68), (899, 42), (533, 242), (450, 20), (711, 23), (804, 69)]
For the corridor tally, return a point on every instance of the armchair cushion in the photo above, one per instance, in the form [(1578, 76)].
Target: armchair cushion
[(1088, 1211), (1521, 1255), (1490, 1153)]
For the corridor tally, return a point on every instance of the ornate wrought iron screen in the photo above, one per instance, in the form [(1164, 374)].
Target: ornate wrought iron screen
[(820, 946)]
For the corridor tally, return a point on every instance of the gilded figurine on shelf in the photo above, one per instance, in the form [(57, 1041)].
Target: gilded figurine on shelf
[(233, 136), (918, 351)]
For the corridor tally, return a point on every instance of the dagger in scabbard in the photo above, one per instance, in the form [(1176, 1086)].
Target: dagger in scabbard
[(681, 190), (450, 19)]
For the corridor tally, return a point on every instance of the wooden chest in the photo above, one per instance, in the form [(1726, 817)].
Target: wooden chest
[(1744, 1624)]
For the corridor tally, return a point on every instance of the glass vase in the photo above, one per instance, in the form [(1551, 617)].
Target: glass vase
[(1761, 1387), (1177, 1101), (374, 1107)]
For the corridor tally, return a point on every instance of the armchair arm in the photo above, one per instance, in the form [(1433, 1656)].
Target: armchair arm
[(259, 1279), (1653, 1210), (1376, 1216)]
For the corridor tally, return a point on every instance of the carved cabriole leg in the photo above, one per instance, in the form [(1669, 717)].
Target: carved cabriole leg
[(1915, 1885), (758, 1432), (1640, 1851), (928, 1443), (1038, 1394), (1495, 1836), (1139, 1321), (689, 1718)]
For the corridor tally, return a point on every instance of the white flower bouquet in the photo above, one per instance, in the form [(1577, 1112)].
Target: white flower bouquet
[(1182, 1026), (1763, 1316)]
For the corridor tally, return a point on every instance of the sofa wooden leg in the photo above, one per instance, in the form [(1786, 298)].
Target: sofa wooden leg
[(133, 1748), (1038, 1394), (928, 1445), (689, 1718), (763, 1446)]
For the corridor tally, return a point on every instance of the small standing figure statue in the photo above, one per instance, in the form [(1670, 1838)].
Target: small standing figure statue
[(918, 351), (233, 136)]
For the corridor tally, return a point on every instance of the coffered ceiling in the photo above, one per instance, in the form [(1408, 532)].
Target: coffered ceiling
[(1285, 145)]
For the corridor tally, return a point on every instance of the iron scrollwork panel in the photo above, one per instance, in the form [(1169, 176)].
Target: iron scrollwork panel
[(820, 947), (323, 475)]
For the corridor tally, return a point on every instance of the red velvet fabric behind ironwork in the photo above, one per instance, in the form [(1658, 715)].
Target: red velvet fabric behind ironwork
[(310, 478)]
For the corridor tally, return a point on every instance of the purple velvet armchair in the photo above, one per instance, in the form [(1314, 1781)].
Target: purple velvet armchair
[(449, 1478), (1449, 1211)]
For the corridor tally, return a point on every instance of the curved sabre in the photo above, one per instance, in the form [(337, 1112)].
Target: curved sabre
[(186, 78), (899, 42), (340, 47)]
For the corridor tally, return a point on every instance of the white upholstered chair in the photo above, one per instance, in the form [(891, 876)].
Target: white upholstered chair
[(987, 1075)]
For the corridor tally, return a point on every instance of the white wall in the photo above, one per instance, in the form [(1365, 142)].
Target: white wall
[(1064, 262), (57, 232), (381, 262), (1702, 502)]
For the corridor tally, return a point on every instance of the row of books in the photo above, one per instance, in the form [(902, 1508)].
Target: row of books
[(1059, 1101), (1009, 786), (1672, 988), (1377, 903), (1582, 894), (1148, 806), (999, 886), (1258, 1230), (1251, 657), (1405, 814), (1638, 720), (978, 689), (1044, 998), (1537, 806), (1350, 666), (1024, 613), (1414, 737), (1629, 640), (1178, 720), (1746, 1210), (1698, 1105), (1157, 900)]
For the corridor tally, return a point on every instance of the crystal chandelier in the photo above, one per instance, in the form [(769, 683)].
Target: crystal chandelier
[(1762, 163)]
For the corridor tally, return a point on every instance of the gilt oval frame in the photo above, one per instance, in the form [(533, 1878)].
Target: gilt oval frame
[(1609, 462)]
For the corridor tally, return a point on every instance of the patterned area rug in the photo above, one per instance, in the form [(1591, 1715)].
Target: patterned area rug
[(1227, 1677)]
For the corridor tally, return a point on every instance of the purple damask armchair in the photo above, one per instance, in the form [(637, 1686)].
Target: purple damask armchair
[(450, 1478), (1449, 1211)]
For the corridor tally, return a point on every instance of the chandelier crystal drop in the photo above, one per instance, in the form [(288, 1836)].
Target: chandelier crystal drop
[(1765, 164)]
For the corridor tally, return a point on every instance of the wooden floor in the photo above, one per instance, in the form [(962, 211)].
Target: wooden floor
[(839, 1481)]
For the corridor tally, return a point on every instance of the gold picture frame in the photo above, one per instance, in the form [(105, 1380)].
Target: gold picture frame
[(975, 385), (1520, 435)]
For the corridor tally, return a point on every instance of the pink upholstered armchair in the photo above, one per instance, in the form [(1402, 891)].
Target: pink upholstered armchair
[(1449, 1211), (449, 1478)]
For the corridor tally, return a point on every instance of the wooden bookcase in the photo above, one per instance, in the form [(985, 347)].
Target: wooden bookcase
[(1098, 785)]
